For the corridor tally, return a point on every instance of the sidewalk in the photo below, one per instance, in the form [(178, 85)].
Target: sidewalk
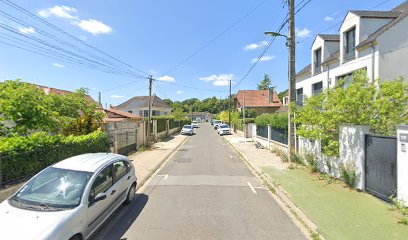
[(335, 211), (146, 162)]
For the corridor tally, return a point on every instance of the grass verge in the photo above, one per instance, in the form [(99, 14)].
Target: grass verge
[(339, 212)]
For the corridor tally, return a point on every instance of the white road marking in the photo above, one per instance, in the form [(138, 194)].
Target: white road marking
[(251, 187), (231, 156), (163, 176)]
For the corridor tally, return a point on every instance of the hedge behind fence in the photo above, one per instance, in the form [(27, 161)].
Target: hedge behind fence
[(276, 120), (25, 156)]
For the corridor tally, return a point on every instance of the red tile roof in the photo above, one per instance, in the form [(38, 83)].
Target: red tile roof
[(48, 90), (114, 113), (257, 98)]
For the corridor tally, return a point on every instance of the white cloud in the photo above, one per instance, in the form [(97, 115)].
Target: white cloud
[(179, 92), (26, 30), (328, 18), (59, 11), (94, 26), (117, 96), (219, 80), (58, 65), (254, 46), (263, 59), (302, 33), (166, 78)]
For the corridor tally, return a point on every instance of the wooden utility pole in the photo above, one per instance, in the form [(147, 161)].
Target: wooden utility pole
[(292, 75), (243, 108), (150, 107), (229, 111)]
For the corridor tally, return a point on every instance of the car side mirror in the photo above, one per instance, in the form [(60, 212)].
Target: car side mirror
[(99, 197)]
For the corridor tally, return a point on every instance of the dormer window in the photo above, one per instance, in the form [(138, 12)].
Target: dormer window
[(350, 44), (317, 61)]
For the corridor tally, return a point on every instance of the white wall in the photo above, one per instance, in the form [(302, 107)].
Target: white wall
[(393, 47), (402, 164)]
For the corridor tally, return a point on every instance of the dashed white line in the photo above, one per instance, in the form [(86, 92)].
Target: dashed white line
[(251, 187), (163, 176)]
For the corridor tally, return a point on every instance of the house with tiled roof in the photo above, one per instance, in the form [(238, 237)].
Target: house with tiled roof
[(113, 115), (262, 101), (139, 105), (375, 41)]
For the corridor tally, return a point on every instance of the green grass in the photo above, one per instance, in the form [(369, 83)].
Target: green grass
[(339, 212)]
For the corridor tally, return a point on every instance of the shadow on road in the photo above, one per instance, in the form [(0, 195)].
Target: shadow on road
[(118, 225)]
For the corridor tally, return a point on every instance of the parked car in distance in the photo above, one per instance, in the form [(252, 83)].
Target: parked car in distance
[(187, 129), (216, 123), (224, 129), (194, 124), (69, 200)]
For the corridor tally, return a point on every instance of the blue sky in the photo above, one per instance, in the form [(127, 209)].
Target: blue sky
[(156, 35)]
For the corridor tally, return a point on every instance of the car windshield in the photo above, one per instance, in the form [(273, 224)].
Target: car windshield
[(187, 126), (224, 126), (217, 122), (53, 188), (194, 121)]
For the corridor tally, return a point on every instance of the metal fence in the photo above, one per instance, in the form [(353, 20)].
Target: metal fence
[(262, 131), (279, 135)]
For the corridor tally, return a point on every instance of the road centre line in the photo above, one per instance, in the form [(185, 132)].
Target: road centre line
[(251, 187)]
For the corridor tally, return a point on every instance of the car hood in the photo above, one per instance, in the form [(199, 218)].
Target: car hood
[(24, 224)]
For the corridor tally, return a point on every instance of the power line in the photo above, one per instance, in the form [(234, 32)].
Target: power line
[(215, 38), (28, 13)]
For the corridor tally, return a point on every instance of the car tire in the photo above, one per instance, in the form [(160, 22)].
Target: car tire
[(76, 237), (131, 194)]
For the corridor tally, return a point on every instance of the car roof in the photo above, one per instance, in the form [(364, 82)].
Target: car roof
[(187, 125), (89, 162)]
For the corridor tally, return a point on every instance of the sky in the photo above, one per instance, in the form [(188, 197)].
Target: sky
[(192, 48)]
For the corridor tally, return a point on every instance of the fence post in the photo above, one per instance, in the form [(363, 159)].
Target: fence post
[(269, 135), (115, 141), (167, 126), (1, 172)]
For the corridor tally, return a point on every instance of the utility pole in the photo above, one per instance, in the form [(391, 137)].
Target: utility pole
[(229, 111), (243, 114), (99, 98), (150, 107), (292, 75)]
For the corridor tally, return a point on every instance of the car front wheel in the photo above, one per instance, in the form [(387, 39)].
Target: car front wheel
[(131, 194)]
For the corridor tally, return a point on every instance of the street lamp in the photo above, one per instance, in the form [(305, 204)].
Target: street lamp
[(275, 34)]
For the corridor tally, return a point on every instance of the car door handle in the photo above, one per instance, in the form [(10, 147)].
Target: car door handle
[(128, 177), (113, 192)]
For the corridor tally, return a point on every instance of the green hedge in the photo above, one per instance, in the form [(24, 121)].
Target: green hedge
[(276, 120), (161, 125), (24, 156), (240, 123)]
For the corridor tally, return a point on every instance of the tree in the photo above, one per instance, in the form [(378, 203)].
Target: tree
[(381, 105), (266, 83), (249, 113), (179, 114), (282, 94)]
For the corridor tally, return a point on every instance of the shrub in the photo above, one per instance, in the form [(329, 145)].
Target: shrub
[(25, 156), (276, 120), (402, 208), (296, 158), (161, 124), (348, 173), (312, 162)]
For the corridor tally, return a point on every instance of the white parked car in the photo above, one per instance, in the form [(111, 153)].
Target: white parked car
[(194, 124), (224, 129), (187, 129), (70, 199), (217, 123)]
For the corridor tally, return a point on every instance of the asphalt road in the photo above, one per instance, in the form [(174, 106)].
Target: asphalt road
[(203, 192)]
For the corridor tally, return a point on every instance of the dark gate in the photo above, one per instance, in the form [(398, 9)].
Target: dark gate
[(381, 166)]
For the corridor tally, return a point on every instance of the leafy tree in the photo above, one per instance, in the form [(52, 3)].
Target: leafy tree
[(266, 83), (249, 113), (282, 94), (179, 114), (381, 105)]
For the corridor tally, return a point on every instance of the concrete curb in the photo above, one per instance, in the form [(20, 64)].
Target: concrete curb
[(158, 165), (308, 228)]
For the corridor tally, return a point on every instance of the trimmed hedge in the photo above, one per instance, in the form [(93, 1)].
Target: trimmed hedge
[(161, 125), (276, 120), (25, 156)]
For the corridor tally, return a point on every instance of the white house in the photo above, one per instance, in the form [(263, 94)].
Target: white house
[(376, 41), (139, 105)]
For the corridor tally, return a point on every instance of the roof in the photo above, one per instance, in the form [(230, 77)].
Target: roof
[(89, 162), (257, 98), (306, 69), (115, 113), (57, 91), (375, 14), (330, 37), (402, 11), (143, 101)]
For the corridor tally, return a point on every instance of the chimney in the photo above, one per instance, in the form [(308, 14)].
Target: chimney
[(270, 95)]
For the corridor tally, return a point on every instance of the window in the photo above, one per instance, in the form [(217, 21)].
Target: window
[(350, 44), (141, 113), (156, 113), (146, 113), (130, 111), (120, 170), (346, 80), (299, 97), (102, 183), (317, 88), (317, 60), (165, 113)]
